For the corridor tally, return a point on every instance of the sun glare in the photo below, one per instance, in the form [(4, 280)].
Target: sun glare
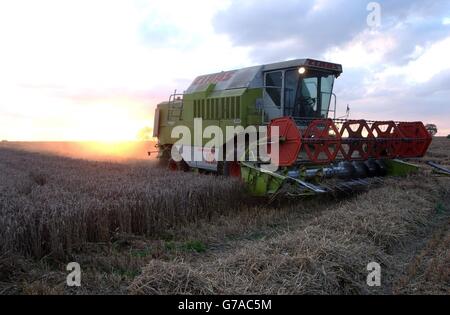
[(109, 148), (107, 123)]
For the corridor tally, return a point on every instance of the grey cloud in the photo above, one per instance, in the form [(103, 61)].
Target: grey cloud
[(259, 24), (402, 107), (263, 25), (349, 85), (402, 8), (412, 34), (417, 102), (440, 83)]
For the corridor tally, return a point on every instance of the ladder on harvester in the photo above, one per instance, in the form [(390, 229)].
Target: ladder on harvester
[(175, 109)]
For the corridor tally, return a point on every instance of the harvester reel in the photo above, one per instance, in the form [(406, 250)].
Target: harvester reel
[(356, 138), (290, 140), (389, 139), (420, 139), (322, 141)]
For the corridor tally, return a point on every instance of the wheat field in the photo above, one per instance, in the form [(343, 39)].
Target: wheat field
[(139, 229)]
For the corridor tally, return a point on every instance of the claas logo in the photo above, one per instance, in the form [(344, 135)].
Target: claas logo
[(214, 78)]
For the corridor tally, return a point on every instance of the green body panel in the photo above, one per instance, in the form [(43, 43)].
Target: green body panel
[(400, 168), (251, 113), (236, 107), (260, 183)]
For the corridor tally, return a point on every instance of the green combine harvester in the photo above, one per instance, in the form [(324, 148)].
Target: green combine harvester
[(318, 153)]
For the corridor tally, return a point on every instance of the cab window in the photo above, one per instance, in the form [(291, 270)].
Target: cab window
[(308, 99), (274, 84)]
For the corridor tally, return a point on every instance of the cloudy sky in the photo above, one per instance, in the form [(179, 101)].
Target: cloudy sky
[(94, 70)]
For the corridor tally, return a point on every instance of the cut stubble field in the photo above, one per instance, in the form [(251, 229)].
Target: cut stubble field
[(138, 229)]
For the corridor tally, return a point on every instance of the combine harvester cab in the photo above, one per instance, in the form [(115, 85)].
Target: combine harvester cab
[(317, 154)]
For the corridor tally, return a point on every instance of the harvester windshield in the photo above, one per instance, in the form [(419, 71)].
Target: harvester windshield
[(307, 95)]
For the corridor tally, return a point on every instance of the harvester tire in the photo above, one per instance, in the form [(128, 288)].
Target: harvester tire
[(178, 166), (230, 169), (164, 157)]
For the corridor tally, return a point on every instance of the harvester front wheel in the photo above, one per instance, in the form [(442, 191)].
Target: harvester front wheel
[(178, 166), (230, 168), (172, 165), (164, 156)]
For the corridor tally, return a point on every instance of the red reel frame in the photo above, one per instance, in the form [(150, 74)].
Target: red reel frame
[(388, 139), (322, 141), (290, 140), (359, 141), (417, 139)]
